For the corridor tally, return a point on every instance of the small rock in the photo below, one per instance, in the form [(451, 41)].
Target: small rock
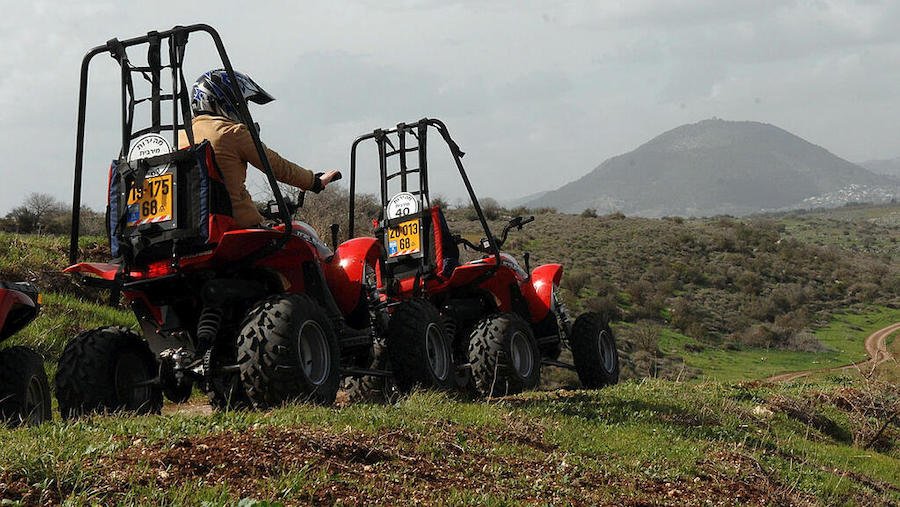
[(761, 411)]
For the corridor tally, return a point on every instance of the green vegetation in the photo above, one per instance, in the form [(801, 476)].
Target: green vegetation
[(754, 291), (705, 303), (858, 228), (842, 339), (650, 441), (64, 316)]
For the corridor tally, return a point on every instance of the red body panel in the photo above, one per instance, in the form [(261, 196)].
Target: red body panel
[(543, 280), (16, 311), (461, 276), (99, 269), (345, 270), (9, 299), (536, 290)]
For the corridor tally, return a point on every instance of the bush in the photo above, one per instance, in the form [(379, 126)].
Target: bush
[(490, 207), (575, 281), (606, 307)]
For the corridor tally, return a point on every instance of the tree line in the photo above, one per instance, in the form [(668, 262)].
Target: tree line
[(44, 214)]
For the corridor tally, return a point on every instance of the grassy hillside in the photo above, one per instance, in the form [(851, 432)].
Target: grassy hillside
[(758, 283), (710, 305), (699, 292)]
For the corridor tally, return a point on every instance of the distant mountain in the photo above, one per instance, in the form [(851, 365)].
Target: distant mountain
[(719, 167), (889, 167), (519, 201)]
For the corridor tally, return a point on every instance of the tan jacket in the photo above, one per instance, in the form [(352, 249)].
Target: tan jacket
[(234, 148)]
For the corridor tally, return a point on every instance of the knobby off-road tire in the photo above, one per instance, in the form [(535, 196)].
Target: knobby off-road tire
[(369, 388), (287, 351), (418, 348), (594, 351), (24, 390), (504, 356), (226, 392), (98, 371)]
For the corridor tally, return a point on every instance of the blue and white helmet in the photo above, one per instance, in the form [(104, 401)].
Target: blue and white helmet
[(212, 94)]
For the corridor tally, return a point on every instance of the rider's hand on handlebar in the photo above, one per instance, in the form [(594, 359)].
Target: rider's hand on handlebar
[(329, 176)]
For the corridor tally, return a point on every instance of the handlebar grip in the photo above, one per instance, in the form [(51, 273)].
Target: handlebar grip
[(528, 220), (337, 176)]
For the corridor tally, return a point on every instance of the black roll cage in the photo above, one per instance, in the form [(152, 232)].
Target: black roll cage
[(386, 149), (177, 39)]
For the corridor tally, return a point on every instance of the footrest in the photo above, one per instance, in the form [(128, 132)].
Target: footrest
[(365, 372), (547, 340)]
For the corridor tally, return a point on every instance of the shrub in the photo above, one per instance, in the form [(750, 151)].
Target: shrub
[(576, 280), (490, 207), (605, 306)]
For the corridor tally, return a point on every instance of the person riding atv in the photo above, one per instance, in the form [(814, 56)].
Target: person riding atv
[(216, 119), (253, 316)]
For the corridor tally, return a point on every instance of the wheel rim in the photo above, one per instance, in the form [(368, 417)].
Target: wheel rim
[(436, 349), (607, 350), (35, 395), (314, 352), (521, 354), (131, 370)]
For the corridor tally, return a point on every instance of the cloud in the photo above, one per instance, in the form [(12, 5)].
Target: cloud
[(537, 92)]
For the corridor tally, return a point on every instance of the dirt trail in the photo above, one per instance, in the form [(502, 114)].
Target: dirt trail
[(876, 348), (194, 406)]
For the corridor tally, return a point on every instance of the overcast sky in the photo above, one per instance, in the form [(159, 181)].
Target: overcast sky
[(536, 93)]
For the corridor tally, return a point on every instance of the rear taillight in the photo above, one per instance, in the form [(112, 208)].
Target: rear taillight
[(159, 269)]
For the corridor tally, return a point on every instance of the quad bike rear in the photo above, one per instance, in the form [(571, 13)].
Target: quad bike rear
[(253, 317), (24, 391), (496, 323)]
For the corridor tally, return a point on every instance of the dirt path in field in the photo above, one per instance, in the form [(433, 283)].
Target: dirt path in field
[(876, 348), (194, 406)]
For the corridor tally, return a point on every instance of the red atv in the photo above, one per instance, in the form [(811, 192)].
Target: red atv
[(501, 323), (254, 317), (24, 391)]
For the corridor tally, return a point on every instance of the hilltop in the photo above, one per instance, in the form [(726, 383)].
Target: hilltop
[(717, 167)]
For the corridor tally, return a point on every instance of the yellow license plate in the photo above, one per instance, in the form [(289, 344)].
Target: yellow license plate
[(151, 204), (404, 238)]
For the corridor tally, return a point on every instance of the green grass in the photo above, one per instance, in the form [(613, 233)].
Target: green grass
[(27, 256), (843, 337), (62, 317), (642, 441), (635, 441), (873, 229)]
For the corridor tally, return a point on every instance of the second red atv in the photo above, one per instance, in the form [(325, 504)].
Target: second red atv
[(501, 323), (24, 390), (251, 316)]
